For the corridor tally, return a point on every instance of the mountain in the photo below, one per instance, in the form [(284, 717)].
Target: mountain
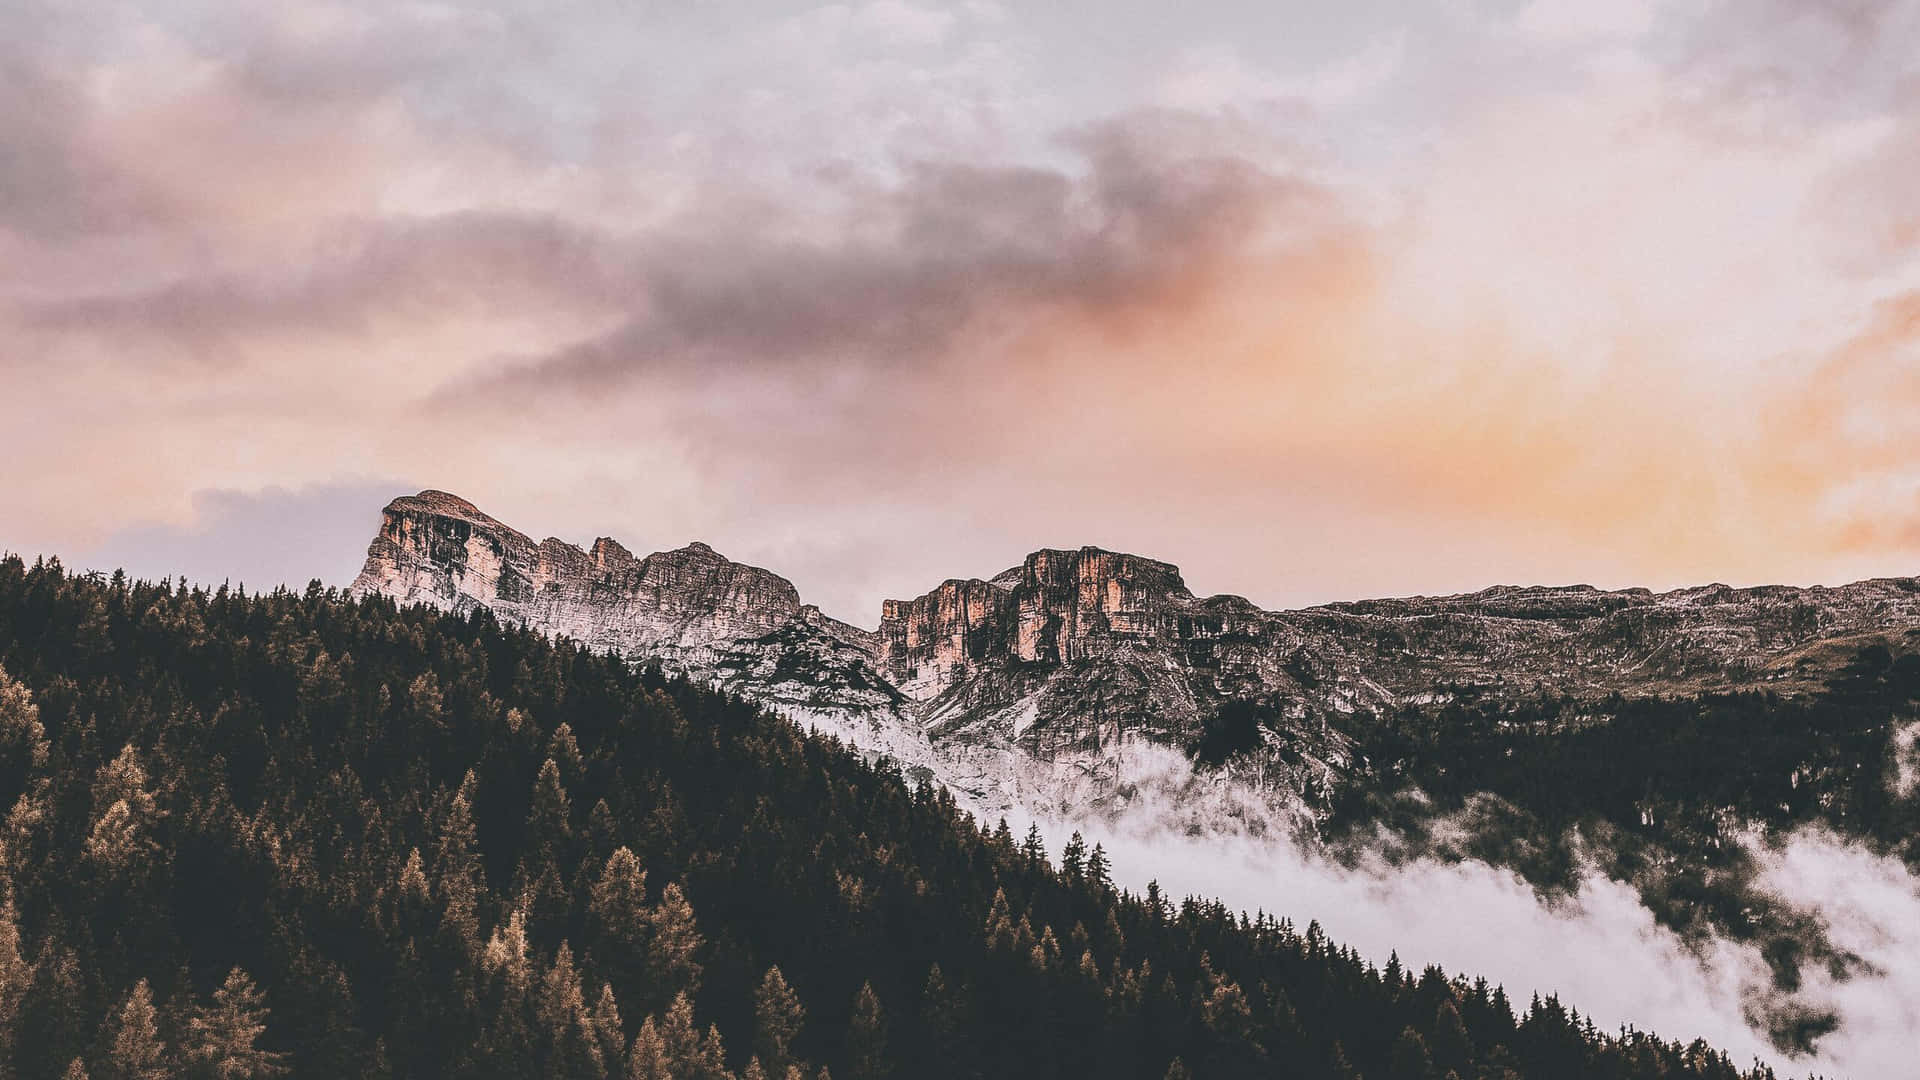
[(1663, 740), (1066, 661)]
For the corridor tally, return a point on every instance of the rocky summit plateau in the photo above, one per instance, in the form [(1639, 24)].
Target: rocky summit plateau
[(1076, 659)]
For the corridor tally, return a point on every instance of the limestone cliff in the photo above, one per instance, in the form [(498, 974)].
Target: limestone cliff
[(1074, 655), (437, 548)]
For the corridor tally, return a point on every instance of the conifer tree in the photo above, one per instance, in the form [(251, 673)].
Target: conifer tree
[(1099, 871), (510, 984), (572, 1042), (942, 1018), (134, 1049), (458, 879), (1452, 1046), (222, 1038), (680, 1038), (608, 1035), (712, 1062), (124, 814), (617, 920), (647, 1059), (23, 739), (564, 750), (550, 811), (777, 1017), (867, 1037), (1034, 848), (1338, 1067), (673, 943), (1003, 836), (15, 974), (1410, 1059), (53, 1013), (1073, 859)]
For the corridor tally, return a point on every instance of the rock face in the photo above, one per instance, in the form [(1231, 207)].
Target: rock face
[(1073, 656), (439, 549)]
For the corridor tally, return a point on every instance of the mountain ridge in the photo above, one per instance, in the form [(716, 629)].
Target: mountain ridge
[(1074, 653)]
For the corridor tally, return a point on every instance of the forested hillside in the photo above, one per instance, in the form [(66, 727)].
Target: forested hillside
[(300, 835), (1671, 795)]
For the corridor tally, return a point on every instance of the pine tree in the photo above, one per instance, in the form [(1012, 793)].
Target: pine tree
[(617, 919), (573, 1045), (680, 1037), (1452, 1047), (1073, 859), (550, 811), (712, 1063), (1177, 1070), (1410, 1059), (1034, 848), (942, 1018), (458, 880), (674, 941), (777, 1017), (134, 1049), (23, 739), (53, 1011), (867, 1037), (1338, 1067), (15, 974), (608, 1035), (510, 985), (221, 1038), (564, 750), (1003, 836), (1099, 871), (540, 883), (647, 1059), (124, 813)]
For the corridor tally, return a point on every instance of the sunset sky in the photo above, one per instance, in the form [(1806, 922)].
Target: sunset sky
[(1404, 299)]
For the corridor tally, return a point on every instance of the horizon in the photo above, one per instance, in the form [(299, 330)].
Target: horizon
[(344, 580)]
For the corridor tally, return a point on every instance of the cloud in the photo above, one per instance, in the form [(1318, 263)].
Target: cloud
[(1596, 945), (1569, 318)]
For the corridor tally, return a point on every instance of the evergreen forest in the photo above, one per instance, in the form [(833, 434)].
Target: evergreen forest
[(296, 834)]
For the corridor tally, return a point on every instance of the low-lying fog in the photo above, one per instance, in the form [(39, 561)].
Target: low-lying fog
[(1600, 950)]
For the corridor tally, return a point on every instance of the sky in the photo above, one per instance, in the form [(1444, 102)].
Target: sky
[(1316, 301)]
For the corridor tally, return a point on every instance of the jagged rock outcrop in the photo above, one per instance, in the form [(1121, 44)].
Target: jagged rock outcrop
[(440, 549), (1073, 656)]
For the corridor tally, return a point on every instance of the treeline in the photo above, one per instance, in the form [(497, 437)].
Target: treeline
[(302, 835)]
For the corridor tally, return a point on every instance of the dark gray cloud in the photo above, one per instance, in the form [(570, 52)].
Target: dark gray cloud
[(1157, 202), (436, 268)]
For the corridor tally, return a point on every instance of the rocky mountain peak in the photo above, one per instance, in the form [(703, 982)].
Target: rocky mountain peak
[(1076, 650), (1057, 606), (438, 548)]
